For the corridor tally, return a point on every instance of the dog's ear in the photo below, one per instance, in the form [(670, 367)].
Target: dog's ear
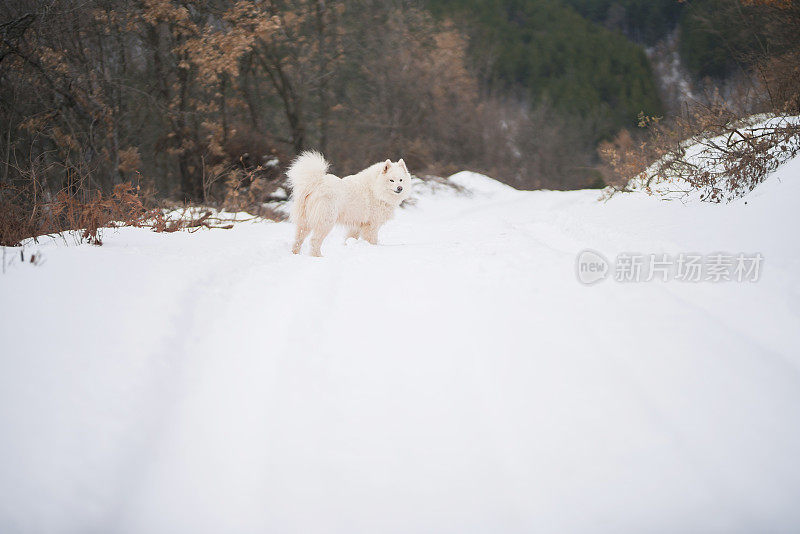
[(386, 166), (402, 164)]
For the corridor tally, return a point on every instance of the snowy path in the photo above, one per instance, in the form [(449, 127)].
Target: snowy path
[(456, 378)]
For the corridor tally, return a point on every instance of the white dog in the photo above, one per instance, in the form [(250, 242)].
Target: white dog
[(362, 202)]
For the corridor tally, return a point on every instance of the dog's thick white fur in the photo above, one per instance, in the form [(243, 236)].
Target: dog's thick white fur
[(362, 202)]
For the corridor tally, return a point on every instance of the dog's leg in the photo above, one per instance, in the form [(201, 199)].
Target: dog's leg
[(319, 235), (352, 231), (300, 236), (370, 232)]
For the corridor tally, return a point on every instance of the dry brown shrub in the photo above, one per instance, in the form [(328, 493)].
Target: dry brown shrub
[(129, 160), (711, 150), (247, 192), (781, 75), (623, 158), (26, 212), (717, 147), (87, 215), (779, 4)]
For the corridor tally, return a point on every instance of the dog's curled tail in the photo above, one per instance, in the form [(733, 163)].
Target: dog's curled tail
[(305, 171)]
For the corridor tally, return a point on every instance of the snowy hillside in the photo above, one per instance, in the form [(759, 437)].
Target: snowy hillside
[(699, 168), (459, 377)]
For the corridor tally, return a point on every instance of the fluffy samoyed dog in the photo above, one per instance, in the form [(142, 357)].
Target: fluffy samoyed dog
[(362, 202)]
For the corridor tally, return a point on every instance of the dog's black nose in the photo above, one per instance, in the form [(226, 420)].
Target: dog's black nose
[(399, 188)]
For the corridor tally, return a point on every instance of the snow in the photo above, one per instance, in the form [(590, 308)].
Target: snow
[(675, 82), (704, 152), (456, 378)]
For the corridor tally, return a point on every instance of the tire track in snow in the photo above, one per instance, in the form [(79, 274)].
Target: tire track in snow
[(555, 239)]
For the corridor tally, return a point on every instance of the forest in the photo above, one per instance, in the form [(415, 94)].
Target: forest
[(208, 101)]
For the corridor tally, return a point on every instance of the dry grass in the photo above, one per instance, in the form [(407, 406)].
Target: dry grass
[(29, 211)]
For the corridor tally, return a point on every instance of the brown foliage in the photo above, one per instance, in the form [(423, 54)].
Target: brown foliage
[(781, 75), (623, 159), (712, 146), (417, 97), (776, 23), (711, 150), (26, 212), (211, 100), (779, 4), (29, 212)]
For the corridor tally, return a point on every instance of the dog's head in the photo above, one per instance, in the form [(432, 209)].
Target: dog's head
[(394, 182)]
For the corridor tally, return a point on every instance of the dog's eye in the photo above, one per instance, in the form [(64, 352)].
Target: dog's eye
[(393, 181), (401, 179)]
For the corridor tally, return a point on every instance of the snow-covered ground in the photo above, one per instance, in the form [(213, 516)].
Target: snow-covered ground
[(456, 378), (706, 153)]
